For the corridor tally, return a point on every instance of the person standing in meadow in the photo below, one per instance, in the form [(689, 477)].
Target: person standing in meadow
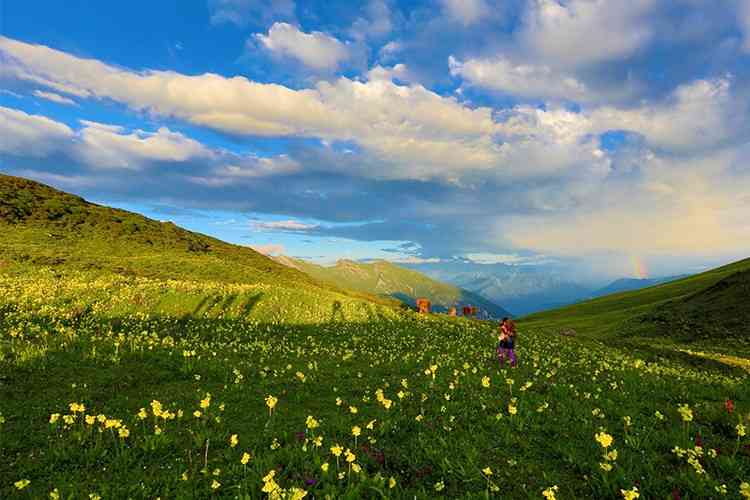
[(507, 339)]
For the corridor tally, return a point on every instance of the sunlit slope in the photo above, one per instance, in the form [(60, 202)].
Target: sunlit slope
[(636, 312), (43, 228), (389, 280)]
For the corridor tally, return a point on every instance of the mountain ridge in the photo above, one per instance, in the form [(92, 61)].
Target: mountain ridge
[(388, 279)]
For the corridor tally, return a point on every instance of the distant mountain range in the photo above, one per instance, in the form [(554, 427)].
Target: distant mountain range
[(521, 289), (390, 280), (525, 289)]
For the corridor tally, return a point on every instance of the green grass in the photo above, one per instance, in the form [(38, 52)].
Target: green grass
[(116, 344)]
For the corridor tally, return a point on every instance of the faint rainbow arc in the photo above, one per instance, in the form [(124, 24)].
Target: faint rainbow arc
[(640, 270)]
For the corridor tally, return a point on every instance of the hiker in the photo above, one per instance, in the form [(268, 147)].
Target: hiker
[(507, 338)]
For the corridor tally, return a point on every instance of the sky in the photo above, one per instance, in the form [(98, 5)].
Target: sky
[(610, 136)]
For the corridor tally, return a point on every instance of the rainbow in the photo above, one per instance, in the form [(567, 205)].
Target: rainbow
[(640, 270)]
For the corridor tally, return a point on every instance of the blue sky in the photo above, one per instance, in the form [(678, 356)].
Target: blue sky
[(586, 132)]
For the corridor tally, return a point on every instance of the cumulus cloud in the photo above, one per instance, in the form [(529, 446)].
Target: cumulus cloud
[(414, 131), (698, 115), (36, 136), (108, 146), (241, 12), (51, 96), (577, 32), (316, 50), (525, 80), (674, 207), (105, 147), (466, 12)]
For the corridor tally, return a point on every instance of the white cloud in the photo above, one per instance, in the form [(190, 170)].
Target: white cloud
[(525, 80), (679, 207), (510, 259), (413, 131), (316, 50), (284, 225), (31, 135), (576, 32), (51, 96), (466, 12), (107, 146), (698, 115), (240, 12), (102, 146), (412, 259), (377, 21)]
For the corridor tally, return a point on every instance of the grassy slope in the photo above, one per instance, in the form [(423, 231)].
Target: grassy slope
[(708, 308), (46, 228), (93, 333), (387, 279)]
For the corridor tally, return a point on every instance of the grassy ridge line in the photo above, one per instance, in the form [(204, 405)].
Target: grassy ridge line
[(618, 312), (388, 279), (45, 227)]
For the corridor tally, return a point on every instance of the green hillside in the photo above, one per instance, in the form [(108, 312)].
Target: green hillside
[(43, 228), (138, 360), (389, 280), (710, 308)]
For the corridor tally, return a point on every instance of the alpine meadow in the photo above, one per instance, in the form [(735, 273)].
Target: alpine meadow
[(375, 249), (122, 378)]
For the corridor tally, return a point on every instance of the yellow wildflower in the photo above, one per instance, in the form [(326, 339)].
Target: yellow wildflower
[(686, 412), (630, 494), (604, 439), (549, 493), (206, 402), (21, 484), (233, 440), (245, 458), (311, 422), (271, 401)]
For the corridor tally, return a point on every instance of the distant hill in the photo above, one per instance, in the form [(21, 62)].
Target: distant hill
[(521, 289), (627, 284), (390, 280), (44, 227), (712, 305)]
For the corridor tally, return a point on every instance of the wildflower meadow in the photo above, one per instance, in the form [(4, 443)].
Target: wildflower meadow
[(114, 387)]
